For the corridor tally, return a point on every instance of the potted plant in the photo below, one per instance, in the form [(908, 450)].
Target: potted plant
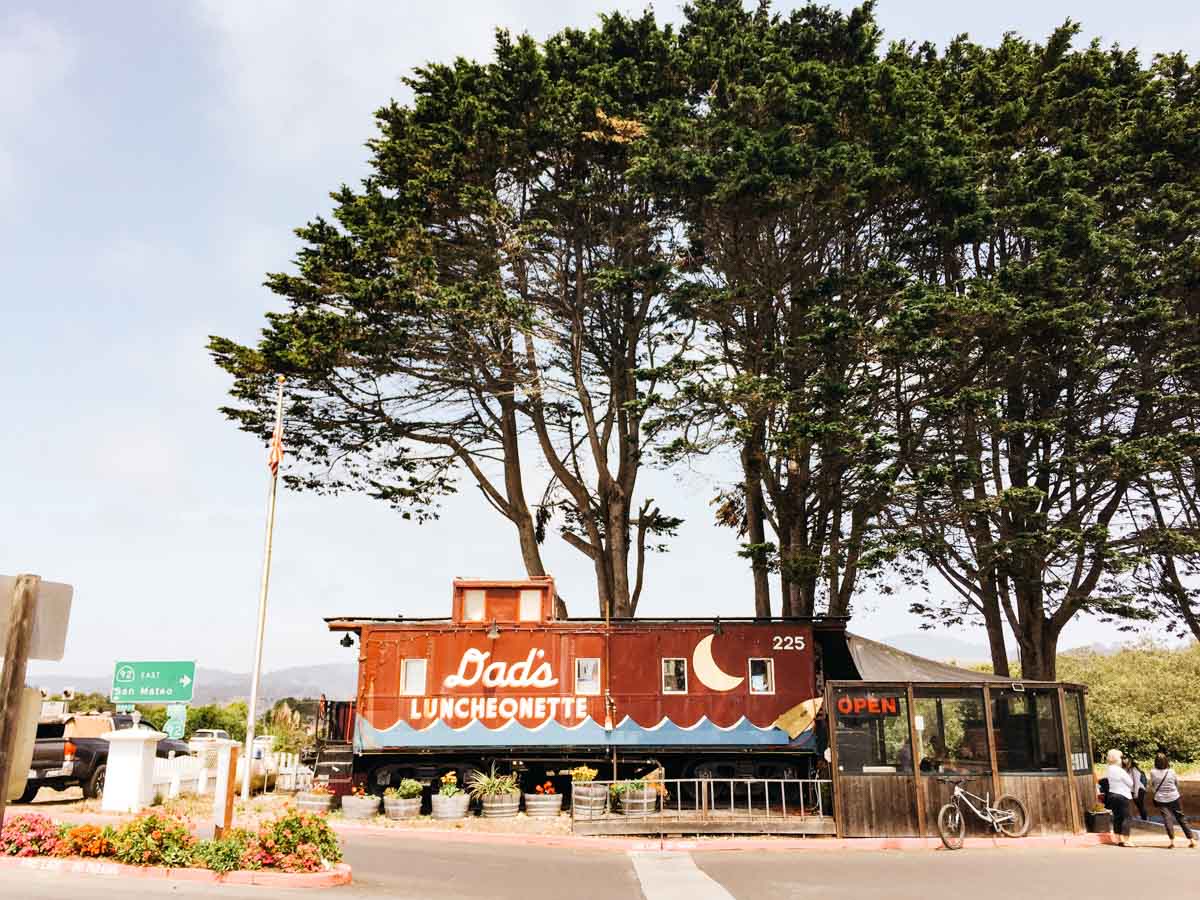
[(450, 802), (498, 795), (358, 804), (637, 798), (317, 799), (403, 801), (544, 803), (588, 800), (1099, 820)]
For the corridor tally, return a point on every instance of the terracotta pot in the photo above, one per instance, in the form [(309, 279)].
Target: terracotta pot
[(401, 807), (543, 806), (360, 807), (450, 807)]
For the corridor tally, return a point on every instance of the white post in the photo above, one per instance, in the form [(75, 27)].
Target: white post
[(262, 597), (129, 778)]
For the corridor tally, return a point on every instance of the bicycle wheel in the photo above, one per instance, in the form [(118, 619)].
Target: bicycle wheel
[(1018, 825), (951, 826)]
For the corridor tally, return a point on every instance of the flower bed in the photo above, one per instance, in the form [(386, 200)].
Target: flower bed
[(291, 842)]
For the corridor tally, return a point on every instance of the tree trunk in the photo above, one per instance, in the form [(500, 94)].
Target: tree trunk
[(755, 526)]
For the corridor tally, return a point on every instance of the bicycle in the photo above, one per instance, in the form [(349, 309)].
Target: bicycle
[(1009, 816)]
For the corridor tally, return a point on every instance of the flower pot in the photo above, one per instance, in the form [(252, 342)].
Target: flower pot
[(501, 806), (401, 807), (450, 807), (1098, 821), (543, 806), (639, 801), (360, 807), (314, 803), (589, 801)]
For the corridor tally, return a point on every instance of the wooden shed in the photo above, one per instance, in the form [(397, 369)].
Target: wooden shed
[(896, 734)]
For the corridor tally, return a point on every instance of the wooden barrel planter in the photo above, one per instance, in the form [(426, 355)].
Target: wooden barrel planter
[(543, 806), (314, 803), (360, 807), (450, 807), (639, 801), (589, 801), (501, 806), (401, 807)]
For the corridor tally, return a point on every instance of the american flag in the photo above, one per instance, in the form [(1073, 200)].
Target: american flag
[(276, 455)]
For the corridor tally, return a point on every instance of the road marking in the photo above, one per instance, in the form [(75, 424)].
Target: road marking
[(674, 876)]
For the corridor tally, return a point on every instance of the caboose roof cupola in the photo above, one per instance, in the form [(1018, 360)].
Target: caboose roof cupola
[(529, 601)]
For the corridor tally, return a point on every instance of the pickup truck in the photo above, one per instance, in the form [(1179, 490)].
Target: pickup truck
[(70, 751)]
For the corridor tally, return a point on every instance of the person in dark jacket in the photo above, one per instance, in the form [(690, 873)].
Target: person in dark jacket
[(1139, 784)]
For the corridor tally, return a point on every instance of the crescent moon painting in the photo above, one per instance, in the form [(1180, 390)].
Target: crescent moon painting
[(708, 672)]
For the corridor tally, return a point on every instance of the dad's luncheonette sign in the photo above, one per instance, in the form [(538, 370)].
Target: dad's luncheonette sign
[(531, 689)]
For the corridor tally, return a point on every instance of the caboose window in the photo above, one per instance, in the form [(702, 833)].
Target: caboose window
[(587, 675), (412, 677), (674, 676), (531, 606), (473, 606), (762, 676)]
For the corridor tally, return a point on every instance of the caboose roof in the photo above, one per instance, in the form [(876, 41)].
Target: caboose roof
[(354, 623)]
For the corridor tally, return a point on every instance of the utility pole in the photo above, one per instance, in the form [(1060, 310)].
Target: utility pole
[(12, 680), (273, 462)]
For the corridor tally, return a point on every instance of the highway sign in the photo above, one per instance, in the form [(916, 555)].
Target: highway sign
[(153, 682)]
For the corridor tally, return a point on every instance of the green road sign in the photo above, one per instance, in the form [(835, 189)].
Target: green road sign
[(174, 729), (124, 707), (153, 682)]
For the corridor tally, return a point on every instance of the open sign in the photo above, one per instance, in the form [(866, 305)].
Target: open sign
[(868, 706)]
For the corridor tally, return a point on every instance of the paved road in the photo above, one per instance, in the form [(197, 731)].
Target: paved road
[(388, 866)]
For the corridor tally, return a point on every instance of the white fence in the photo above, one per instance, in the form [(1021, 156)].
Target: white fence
[(197, 774)]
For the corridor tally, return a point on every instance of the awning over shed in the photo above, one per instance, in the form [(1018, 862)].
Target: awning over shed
[(879, 662)]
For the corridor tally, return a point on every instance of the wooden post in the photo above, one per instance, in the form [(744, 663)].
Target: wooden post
[(916, 769), (230, 784), (831, 728), (1065, 737), (991, 739), (12, 680)]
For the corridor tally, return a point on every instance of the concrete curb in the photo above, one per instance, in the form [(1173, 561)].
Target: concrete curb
[(588, 842), (339, 875)]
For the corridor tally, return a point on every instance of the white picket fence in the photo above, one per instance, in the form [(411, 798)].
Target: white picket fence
[(197, 774)]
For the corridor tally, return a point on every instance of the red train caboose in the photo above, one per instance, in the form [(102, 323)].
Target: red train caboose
[(503, 680)]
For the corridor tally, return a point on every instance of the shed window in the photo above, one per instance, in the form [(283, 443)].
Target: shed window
[(762, 676), (674, 676), (587, 675), (951, 731), (531, 606), (473, 602), (1076, 732), (872, 731), (1028, 730), (412, 677)]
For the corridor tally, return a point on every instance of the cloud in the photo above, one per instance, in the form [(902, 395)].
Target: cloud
[(35, 59)]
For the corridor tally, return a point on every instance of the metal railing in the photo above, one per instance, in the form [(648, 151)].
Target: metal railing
[(700, 805)]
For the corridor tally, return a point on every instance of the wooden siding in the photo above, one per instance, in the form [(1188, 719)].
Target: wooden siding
[(1047, 798), (1085, 791), (877, 805), (938, 794)]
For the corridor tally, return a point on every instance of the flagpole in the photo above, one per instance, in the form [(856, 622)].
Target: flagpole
[(262, 594)]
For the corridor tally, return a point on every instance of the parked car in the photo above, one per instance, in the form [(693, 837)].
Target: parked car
[(203, 738), (70, 751)]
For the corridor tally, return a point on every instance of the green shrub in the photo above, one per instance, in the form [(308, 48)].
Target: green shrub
[(223, 854), (154, 839), (1139, 698), (407, 789)]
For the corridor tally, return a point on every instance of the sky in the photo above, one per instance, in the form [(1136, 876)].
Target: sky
[(154, 159)]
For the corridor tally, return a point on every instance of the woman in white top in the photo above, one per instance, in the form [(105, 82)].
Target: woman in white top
[(1164, 789), (1120, 792)]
